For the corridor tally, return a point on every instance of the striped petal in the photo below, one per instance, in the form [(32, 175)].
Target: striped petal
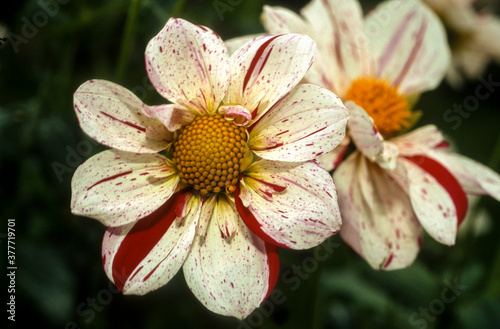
[(266, 68), (411, 46), (306, 123), (332, 159), (117, 187), (378, 221), (436, 197), (363, 132), (143, 256), (344, 52), (293, 205), (112, 115), (419, 141), (474, 177), (231, 275), (188, 65)]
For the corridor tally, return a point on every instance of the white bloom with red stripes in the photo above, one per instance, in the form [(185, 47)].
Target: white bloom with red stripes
[(415, 182), (398, 48), (390, 187), (235, 176)]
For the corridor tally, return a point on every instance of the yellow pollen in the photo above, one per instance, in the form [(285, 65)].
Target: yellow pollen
[(208, 154), (389, 110)]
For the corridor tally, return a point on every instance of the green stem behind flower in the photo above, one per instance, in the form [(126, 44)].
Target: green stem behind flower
[(127, 39)]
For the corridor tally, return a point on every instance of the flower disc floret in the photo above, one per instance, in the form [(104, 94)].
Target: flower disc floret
[(208, 154)]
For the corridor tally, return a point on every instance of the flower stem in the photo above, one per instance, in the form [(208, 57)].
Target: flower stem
[(128, 36)]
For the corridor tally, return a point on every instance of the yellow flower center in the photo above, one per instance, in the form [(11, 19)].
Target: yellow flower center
[(389, 110), (208, 154)]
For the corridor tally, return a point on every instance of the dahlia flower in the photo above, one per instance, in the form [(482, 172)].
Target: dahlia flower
[(216, 180), (393, 184)]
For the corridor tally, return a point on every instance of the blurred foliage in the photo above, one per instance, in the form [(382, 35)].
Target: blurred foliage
[(60, 282)]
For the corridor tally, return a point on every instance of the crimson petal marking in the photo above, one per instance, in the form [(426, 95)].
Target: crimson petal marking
[(251, 222), (112, 115), (142, 238), (413, 54), (256, 60), (130, 124), (109, 178), (446, 180)]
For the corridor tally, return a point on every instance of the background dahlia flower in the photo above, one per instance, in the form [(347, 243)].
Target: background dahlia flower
[(391, 186), (215, 181)]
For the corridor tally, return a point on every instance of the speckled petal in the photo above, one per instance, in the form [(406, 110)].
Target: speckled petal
[(410, 45), (378, 221), (112, 115), (293, 205), (117, 187), (363, 132), (418, 141), (474, 177), (436, 197), (306, 123), (231, 276), (172, 116), (332, 159), (188, 65), (143, 256), (266, 68), (344, 52)]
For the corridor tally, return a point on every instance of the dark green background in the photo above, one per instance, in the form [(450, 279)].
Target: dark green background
[(60, 282)]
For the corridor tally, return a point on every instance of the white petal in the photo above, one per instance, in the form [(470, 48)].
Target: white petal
[(265, 69), (172, 116), (378, 222), (306, 123), (363, 132), (332, 159), (418, 141), (143, 256), (117, 187), (230, 276), (411, 46), (432, 204), (188, 65), (344, 52), (112, 115), (474, 177), (293, 205)]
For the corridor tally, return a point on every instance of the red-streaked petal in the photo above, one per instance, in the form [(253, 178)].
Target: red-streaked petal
[(112, 115), (293, 205), (474, 177), (378, 221), (332, 159), (188, 65), (266, 68), (306, 123), (419, 141), (435, 196), (143, 256), (231, 276), (344, 52), (117, 187), (411, 46), (363, 132)]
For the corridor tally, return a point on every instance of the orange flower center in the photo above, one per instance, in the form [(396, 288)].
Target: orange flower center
[(208, 154), (389, 110)]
